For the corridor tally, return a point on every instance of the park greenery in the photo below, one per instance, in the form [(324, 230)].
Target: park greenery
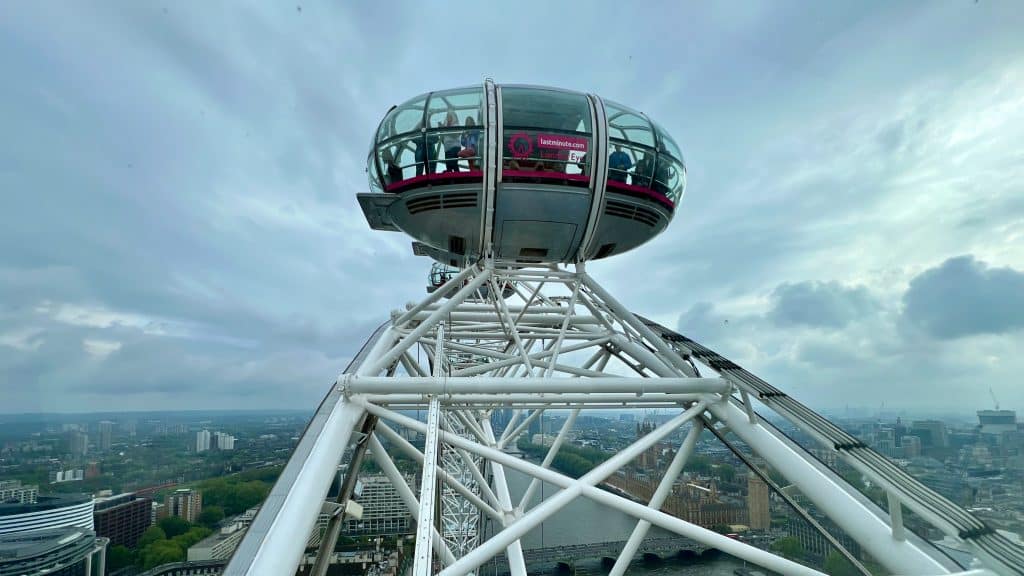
[(166, 541), (571, 460), (230, 495)]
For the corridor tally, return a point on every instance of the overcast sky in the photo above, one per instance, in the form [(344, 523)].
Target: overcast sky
[(179, 228)]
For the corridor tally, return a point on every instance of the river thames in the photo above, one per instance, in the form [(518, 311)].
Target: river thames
[(584, 521)]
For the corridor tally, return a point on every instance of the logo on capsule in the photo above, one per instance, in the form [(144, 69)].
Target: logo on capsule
[(520, 145)]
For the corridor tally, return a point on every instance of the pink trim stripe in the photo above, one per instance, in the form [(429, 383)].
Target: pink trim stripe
[(423, 179), (547, 175)]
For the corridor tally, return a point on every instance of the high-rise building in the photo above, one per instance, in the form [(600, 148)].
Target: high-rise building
[(757, 503), (185, 503), (14, 492), (997, 421), (78, 443), (224, 441), (123, 518), (202, 441), (106, 429), (157, 512), (500, 419)]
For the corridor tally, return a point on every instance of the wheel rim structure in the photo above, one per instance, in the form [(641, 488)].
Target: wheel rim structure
[(562, 342)]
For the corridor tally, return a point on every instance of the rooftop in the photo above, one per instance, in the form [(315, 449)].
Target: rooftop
[(48, 502)]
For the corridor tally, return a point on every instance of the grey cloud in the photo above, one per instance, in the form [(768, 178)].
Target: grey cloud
[(819, 304), (964, 297), (197, 165)]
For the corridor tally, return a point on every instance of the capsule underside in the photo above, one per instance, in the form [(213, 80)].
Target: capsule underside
[(527, 174)]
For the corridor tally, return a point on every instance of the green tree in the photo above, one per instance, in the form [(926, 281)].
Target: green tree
[(161, 552), (789, 547), (210, 516), (118, 557), (190, 538), (152, 534), (837, 565), (722, 528), (173, 526)]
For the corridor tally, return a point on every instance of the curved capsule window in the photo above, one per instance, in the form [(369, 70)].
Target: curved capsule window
[(371, 170), (667, 145), (671, 180), (669, 177), (403, 119), (431, 138), (631, 150), (548, 136), (455, 131)]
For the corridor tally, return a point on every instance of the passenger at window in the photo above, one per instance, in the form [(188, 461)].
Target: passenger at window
[(619, 164), (394, 171), (470, 139), (644, 169), (451, 142), (662, 177), (421, 150)]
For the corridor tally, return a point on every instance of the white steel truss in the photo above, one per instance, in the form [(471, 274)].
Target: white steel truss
[(561, 342)]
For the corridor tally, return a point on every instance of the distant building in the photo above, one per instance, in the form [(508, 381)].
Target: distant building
[(123, 518), (224, 441), (997, 421), (383, 510), (649, 458), (14, 492), (106, 428), (184, 503), (911, 446), (627, 417), (500, 418), (199, 568), (157, 512), (931, 432), (202, 441), (67, 551), (759, 515), (54, 511), (59, 476), (815, 544), (78, 443), (93, 470), (219, 545)]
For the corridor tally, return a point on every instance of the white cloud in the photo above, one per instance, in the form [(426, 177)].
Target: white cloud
[(24, 340), (100, 348)]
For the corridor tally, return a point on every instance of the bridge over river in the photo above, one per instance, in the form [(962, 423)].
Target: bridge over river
[(660, 547)]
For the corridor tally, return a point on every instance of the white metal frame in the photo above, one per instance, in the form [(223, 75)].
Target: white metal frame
[(561, 342)]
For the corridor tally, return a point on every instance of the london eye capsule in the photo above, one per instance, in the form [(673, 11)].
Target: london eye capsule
[(522, 173)]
